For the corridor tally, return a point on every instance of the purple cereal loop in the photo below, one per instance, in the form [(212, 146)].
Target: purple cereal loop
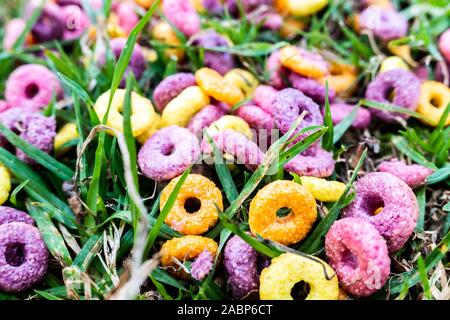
[(8, 215), (32, 87), (269, 20), (288, 105), (312, 88), (171, 87), (240, 261), (221, 62), (359, 255), (204, 118), (168, 153), (444, 44), (413, 175), (183, 15), (239, 146), (400, 209), (386, 24), (4, 106), (50, 25), (202, 265), (277, 72), (256, 117), (314, 162), (263, 96), (403, 84), (339, 111), (23, 257), (213, 6), (75, 22), (137, 63)]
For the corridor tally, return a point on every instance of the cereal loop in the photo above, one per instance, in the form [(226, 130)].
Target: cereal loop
[(66, 134), (303, 62), (303, 8), (156, 125), (216, 86), (287, 230), (244, 80), (181, 109), (342, 79), (142, 112), (285, 271), (434, 98), (196, 206), (184, 249), (323, 190), (230, 122), (5, 184)]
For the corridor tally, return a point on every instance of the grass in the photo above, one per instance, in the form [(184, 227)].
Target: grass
[(106, 223)]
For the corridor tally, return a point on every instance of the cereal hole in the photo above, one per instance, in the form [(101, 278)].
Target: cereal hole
[(15, 254), (374, 204), (283, 212), (349, 259), (31, 90), (300, 290), (192, 205), (436, 101), (167, 149), (390, 94)]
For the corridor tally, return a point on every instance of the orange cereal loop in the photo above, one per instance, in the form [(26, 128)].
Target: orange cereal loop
[(196, 206), (434, 98), (184, 249), (163, 32), (287, 230), (342, 78), (303, 62), (216, 86)]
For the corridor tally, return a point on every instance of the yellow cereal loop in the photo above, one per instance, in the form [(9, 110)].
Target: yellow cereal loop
[(66, 134), (434, 98), (163, 32), (198, 5), (278, 280), (5, 184), (302, 8), (146, 3), (156, 125), (342, 78), (142, 112), (404, 52), (113, 27), (230, 122), (244, 80), (323, 190), (291, 27), (182, 108), (393, 62), (216, 86), (291, 58)]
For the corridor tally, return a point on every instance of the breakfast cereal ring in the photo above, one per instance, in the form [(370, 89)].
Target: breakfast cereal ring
[(216, 86), (303, 62), (389, 204), (50, 24), (302, 8), (285, 271), (339, 111), (413, 175), (5, 185), (184, 249), (31, 86), (393, 62), (263, 219), (359, 255), (341, 79), (247, 5), (263, 96), (183, 15), (222, 62), (202, 265), (156, 125), (256, 117), (239, 146), (9, 215), (323, 190), (434, 98), (171, 87), (241, 265), (23, 257), (142, 112), (13, 30), (268, 20), (230, 122), (75, 20), (127, 15), (314, 161), (277, 73), (402, 84), (137, 63), (146, 4), (205, 118), (181, 109), (379, 3), (312, 88), (213, 7), (168, 153), (444, 44), (385, 24), (163, 32), (287, 107), (196, 207), (66, 134), (244, 80)]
